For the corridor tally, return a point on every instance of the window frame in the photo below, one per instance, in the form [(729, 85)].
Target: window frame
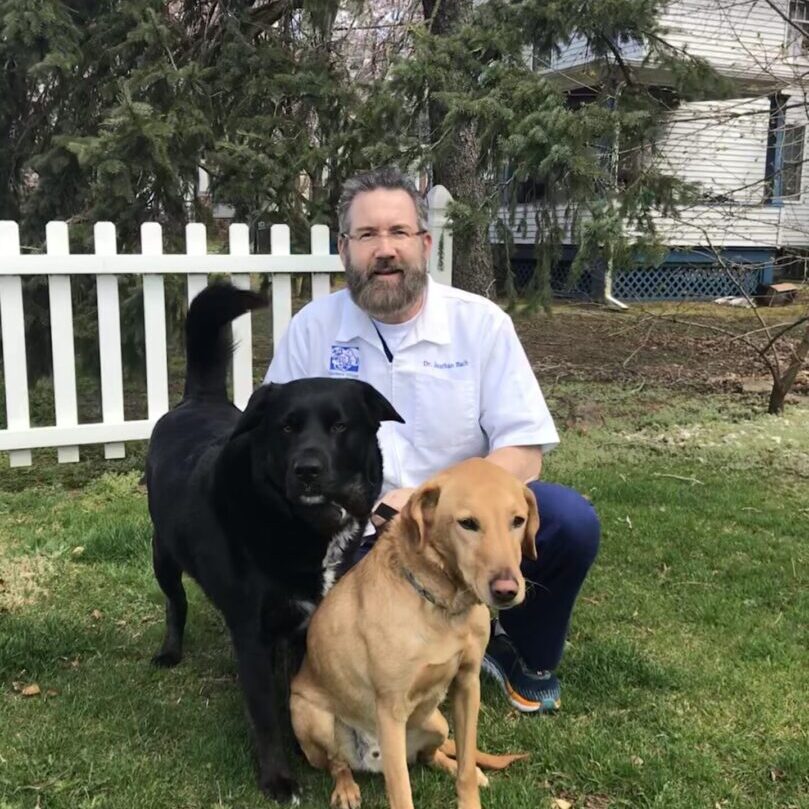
[(798, 27), (791, 168)]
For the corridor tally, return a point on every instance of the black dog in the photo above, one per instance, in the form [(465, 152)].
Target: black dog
[(262, 508)]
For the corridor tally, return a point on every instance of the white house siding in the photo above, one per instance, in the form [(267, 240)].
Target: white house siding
[(719, 145), (740, 38), (722, 147), (745, 39), (571, 54), (577, 53), (709, 226), (729, 225), (524, 227)]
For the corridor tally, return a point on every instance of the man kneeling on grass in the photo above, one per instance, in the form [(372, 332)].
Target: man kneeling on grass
[(451, 364)]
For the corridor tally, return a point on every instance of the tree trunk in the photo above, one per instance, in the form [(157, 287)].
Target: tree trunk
[(457, 167), (782, 386)]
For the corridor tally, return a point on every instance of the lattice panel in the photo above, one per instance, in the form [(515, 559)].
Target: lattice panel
[(562, 286), (684, 282), (668, 282)]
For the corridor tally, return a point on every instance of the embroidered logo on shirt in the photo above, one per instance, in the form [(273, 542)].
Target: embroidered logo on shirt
[(345, 359)]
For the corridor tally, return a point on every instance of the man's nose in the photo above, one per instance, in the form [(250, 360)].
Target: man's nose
[(385, 247)]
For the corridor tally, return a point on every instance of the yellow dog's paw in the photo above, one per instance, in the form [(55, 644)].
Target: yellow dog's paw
[(346, 795)]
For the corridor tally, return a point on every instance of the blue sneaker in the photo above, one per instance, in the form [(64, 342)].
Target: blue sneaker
[(528, 691)]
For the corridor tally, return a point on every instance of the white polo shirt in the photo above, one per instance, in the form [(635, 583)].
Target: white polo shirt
[(460, 378)]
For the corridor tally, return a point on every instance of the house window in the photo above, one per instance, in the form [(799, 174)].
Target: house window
[(530, 191), (785, 150), (792, 161), (799, 23)]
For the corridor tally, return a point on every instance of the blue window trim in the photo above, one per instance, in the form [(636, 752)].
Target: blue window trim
[(774, 164)]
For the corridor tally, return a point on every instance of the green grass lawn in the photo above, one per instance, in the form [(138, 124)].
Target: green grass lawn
[(685, 683)]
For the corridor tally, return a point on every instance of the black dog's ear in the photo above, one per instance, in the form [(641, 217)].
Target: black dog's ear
[(378, 406), (254, 412)]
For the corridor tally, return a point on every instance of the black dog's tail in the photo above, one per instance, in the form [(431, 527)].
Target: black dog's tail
[(208, 343)]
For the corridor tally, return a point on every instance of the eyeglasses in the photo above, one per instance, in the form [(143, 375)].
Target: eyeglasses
[(369, 238)]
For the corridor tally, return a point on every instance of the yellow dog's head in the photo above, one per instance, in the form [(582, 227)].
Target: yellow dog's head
[(479, 520)]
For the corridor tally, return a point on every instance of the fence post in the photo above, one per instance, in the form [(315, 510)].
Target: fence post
[(242, 328), (321, 282), (440, 265), (109, 339), (13, 325), (154, 322), (281, 285), (196, 244), (62, 345)]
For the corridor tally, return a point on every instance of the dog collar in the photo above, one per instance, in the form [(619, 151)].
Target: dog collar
[(427, 595)]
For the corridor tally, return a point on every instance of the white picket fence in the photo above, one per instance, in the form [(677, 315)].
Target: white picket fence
[(19, 438)]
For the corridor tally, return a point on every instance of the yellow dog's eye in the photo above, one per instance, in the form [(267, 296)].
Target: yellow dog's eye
[(518, 522), (469, 523)]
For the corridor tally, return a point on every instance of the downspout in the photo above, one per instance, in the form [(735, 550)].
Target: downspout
[(609, 298)]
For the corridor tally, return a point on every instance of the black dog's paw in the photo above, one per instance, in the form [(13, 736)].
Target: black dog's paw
[(167, 659), (281, 788)]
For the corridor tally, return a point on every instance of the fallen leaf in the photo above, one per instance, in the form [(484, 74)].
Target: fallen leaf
[(776, 774), (77, 551), (32, 690), (561, 803), (96, 615), (636, 761), (51, 693)]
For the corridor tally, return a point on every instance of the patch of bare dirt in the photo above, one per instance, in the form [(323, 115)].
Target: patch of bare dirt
[(577, 343)]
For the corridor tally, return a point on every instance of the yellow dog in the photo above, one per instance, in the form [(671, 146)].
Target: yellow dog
[(406, 625)]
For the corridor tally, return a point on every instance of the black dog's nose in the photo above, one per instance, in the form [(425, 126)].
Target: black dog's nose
[(308, 471)]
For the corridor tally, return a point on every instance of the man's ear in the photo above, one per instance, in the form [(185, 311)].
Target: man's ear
[(419, 511), (378, 406), (529, 538), (256, 408)]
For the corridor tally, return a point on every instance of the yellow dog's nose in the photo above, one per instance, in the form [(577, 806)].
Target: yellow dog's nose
[(504, 588)]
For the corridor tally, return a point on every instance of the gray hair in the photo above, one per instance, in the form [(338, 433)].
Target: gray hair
[(388, 177)]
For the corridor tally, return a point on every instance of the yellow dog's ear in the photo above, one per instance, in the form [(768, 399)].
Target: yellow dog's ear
[(418, 512), (529, 537)]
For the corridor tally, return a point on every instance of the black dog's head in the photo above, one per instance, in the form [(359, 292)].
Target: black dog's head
[(315, 441)]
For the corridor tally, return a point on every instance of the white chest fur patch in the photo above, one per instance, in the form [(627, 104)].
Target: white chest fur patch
[(335, 553)]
